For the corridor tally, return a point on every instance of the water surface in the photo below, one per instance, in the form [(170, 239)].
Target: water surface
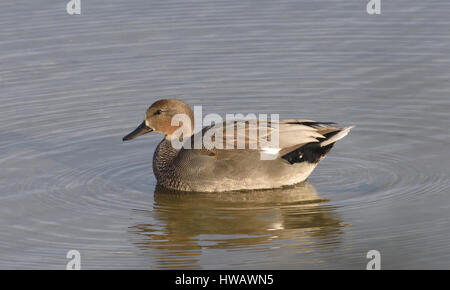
[(73, 86)]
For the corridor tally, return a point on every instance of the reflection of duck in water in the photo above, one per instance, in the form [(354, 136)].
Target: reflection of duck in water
[(185, 223)]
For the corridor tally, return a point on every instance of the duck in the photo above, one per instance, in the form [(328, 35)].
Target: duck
[(228, 166)]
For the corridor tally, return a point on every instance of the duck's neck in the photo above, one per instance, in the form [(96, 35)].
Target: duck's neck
[(163, 157)]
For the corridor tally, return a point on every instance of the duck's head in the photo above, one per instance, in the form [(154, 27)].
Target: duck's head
[(159, 116)]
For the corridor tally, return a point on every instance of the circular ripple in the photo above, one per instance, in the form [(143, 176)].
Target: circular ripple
[(371, 179)]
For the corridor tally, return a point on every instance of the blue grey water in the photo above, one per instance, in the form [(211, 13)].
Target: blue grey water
[(71, 86)]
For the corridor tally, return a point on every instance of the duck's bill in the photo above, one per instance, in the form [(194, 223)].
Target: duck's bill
[(140, 130)]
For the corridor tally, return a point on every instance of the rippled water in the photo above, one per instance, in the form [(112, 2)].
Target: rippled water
[(73, 86)]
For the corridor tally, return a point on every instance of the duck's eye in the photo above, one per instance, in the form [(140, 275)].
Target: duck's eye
[(158, 112)]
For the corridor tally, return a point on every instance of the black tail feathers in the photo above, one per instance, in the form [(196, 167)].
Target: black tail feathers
[(311, 152)]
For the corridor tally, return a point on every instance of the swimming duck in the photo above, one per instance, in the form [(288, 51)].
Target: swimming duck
[(302, 144)]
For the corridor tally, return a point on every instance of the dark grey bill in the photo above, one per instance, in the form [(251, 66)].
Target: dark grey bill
[(140, 130)]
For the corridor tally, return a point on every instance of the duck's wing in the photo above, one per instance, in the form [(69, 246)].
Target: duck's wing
[(326, 133), (270, 139)]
